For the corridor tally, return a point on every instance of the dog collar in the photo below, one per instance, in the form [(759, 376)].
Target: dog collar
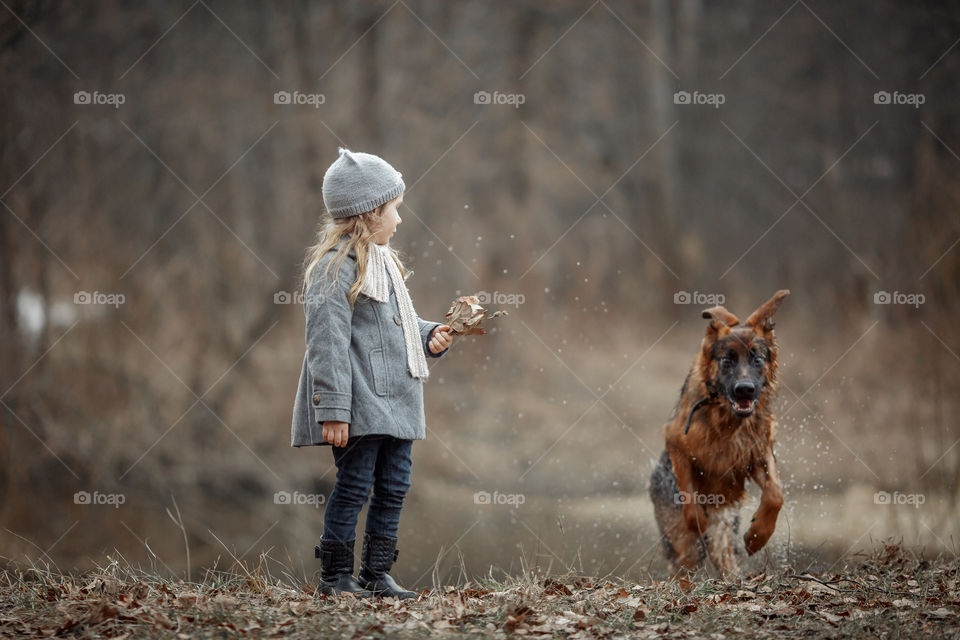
[(699, 403)]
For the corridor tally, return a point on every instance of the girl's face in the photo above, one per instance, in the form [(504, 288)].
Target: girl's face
[(389, 219)]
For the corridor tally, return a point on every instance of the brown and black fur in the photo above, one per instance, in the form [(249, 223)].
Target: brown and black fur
[(699, 483)]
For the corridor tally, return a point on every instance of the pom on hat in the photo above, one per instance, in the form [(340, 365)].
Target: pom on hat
[(359, 182)]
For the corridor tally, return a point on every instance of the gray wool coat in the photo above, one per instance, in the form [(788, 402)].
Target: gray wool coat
[(355, 366)]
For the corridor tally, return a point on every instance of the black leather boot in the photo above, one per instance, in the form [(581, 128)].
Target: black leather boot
[(336, 569), (379, 554)]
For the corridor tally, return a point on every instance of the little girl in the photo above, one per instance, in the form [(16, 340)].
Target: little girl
[(361, 385)]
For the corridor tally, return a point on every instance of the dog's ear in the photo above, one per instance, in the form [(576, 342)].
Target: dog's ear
[(762, 318), (719, 319)]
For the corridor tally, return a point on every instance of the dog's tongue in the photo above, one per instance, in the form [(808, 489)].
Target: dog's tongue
[(744, 404)]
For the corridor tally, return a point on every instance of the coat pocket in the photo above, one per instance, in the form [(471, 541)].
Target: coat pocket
[(378, 366)]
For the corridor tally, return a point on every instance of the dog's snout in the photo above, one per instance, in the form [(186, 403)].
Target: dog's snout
[(744, 389)]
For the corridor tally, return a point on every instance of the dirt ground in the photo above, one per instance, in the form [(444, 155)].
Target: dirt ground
[(889, 593)]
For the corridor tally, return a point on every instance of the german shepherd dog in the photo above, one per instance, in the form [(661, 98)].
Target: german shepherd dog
[(721, 433)]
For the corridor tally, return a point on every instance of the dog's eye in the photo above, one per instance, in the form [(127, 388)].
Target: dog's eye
[(726, 362), (758, 360)]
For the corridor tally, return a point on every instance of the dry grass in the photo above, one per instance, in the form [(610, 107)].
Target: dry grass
[(891, 592)]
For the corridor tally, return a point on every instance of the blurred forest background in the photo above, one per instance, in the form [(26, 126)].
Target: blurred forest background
[(151, 225)]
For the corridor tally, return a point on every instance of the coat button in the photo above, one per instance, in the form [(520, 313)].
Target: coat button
[(397, 320), (316, 398)]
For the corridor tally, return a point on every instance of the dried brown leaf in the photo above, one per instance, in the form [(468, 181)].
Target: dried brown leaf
[(466, 316), (556, 588)]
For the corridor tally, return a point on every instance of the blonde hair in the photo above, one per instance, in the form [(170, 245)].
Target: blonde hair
[(357, 233)]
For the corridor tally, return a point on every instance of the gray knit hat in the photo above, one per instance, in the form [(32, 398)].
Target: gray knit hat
[(359, 182)]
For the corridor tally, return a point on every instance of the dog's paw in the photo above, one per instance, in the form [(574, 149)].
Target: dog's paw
[(755, 539)]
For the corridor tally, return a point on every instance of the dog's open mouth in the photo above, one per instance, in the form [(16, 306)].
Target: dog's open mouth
[(743, 407)]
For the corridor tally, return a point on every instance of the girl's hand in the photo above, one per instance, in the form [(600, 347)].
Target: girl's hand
[(440, 339), (336, 433)]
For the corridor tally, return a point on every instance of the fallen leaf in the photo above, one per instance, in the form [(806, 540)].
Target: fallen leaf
[(225, 601), (466, 315), (903, 602), (583, 583), (516, 615), (829, 617), (556, 588), (685, 585), (298, 608)]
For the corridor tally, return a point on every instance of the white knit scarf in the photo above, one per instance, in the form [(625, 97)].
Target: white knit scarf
[(377, 286)]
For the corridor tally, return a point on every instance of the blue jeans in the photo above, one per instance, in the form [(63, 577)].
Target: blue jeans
[(381, 463)]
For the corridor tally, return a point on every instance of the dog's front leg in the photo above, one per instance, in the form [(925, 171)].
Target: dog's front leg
[(771, 500), (693, 514)]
